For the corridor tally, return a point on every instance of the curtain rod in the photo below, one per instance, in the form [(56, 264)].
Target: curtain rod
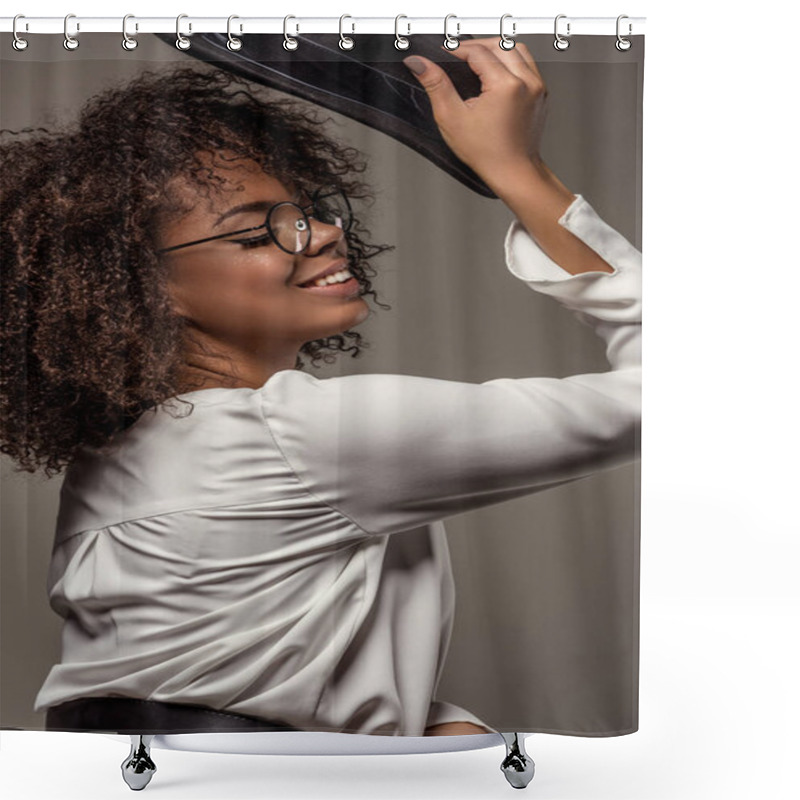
[(406, 26)]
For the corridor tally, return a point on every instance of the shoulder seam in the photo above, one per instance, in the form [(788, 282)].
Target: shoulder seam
[(289, 464)]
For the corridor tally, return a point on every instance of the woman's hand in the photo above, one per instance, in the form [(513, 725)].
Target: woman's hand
[(500, 130), (498, 134)]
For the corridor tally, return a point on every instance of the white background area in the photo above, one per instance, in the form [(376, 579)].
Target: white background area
[(719, 696)]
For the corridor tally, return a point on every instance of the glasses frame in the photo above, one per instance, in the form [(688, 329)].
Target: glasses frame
[(316, 197)]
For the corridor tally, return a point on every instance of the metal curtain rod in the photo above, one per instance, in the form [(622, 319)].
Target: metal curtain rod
[(511, 26)]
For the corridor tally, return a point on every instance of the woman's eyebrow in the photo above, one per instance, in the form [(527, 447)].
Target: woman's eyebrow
[(256, 205)]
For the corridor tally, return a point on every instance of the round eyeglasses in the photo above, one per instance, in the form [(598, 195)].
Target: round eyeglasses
[(288, 224)]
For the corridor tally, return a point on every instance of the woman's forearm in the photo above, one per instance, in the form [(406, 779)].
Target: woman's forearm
[(538, 199), (498, 135)]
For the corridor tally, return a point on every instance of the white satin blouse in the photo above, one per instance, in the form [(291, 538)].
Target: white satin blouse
[(280, 552)]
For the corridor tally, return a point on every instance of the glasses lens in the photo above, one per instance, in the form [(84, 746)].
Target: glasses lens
[(331, 207), (290, 228)]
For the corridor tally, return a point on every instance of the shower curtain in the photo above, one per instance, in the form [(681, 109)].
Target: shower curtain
[(515, 612)]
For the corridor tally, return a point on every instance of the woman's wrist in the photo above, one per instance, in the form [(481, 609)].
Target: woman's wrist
[(519, 181), (539, 199), (533, 193)]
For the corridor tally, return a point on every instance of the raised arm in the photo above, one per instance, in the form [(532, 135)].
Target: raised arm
[(392, 452), (498, 134)]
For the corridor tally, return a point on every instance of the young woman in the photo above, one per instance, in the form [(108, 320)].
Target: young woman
[(238, 541)]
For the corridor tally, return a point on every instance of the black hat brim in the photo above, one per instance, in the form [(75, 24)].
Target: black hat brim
[(368, 83)]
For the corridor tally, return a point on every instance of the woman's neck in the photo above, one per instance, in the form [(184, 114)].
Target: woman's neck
[(230, 369)]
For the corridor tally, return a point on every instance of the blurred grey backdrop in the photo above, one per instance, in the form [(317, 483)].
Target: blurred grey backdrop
[(546, 633)]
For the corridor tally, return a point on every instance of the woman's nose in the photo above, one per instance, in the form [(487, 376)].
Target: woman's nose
[(323, 235)]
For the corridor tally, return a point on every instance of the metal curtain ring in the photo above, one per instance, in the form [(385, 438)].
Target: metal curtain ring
[(182, 43), (400, 42), (18, 43), (70, 42), (345, 42), (128, 42), (451, 42), (506, 42), (233, 43), (622, 43), (288, 42), (560, 43)]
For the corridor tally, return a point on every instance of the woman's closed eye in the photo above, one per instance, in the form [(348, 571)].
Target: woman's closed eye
[(254, 241)]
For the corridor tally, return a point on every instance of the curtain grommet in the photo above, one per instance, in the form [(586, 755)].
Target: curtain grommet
[(507, 42), (560, 42), (346, 42), (70, 42), (128, 42), (18, 43), (288, 42), (233, 44), (451, 42), (181, 42), (622, 44), (401, 42)]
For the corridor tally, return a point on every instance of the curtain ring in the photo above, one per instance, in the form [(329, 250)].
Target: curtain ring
[(288, 42), (400, 42), (451, 42), (560, 43), (506, 42), (622, 43), (233, 43), (19, 43), (345, 42), (70, 42), (128, 42), (182, 43)]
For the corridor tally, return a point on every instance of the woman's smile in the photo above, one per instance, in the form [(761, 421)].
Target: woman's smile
[(345, 286), (336, 280)]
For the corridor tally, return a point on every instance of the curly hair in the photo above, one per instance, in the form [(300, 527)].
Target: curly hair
[(88, 337)]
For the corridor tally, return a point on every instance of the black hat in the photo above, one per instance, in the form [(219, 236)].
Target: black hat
[(368, 83)]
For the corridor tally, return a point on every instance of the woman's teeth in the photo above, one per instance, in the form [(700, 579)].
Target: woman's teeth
[(337, 277)]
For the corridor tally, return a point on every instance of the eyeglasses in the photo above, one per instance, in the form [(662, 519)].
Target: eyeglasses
[(287, 224)]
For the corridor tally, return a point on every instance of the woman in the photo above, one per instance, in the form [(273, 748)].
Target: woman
[(223, 543)]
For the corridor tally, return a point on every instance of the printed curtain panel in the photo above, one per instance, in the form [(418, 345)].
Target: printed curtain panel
[(320, 403)]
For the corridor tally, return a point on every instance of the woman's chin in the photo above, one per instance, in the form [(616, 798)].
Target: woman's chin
[(353, 314), (343, 319), (363, 312)]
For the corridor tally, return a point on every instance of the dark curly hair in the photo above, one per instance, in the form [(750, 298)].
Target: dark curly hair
[(88, 337)]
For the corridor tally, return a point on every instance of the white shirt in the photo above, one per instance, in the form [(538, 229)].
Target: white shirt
[(280, 551)]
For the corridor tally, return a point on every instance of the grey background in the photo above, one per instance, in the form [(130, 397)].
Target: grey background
[(546, 635)]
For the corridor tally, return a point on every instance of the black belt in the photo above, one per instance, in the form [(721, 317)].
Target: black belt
[(131, 715)]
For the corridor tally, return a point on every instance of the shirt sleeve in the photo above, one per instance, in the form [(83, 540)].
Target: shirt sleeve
[(393, 452)]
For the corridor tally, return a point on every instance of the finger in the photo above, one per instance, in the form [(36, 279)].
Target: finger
[(528, 58), (484, 63), (515, 62), (443, 95), (519, 59)]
